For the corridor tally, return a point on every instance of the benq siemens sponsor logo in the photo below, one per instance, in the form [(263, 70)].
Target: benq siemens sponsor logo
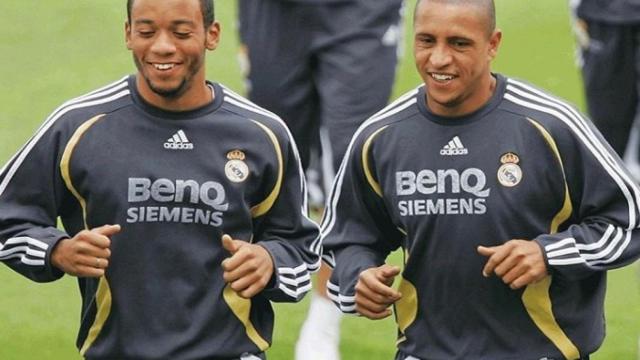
[(178, 141), (177, 201), (442, 192)]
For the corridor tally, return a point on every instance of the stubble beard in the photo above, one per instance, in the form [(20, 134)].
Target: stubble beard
[(171, 93)]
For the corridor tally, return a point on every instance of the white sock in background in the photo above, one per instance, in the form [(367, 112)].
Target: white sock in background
[(320, 334)]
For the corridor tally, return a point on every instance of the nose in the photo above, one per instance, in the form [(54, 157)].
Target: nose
[(163, 44), (440, 57)]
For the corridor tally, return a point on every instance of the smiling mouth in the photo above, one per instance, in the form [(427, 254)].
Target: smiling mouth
[(441, 77), (163, 67)]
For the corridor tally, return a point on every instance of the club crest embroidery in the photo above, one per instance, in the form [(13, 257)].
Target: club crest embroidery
[(236, 169), (509, 173)]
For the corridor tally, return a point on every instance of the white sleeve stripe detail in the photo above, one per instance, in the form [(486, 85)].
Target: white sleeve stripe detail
[(22, 250), (562, 252), (251, 357), (559, 244), (617, 253), (333, 286), (585, 247), (295, 294), (295, 282), (596, 146), (600, 243), (24, 239), (297, 270), (329, 259), (393, 109), (572, 261), (344, 308), (336, 289), (24, 259), (43, 130), (608, 250), (601, 257)]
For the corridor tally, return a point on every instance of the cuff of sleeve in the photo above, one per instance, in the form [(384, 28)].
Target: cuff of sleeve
[(543, 241), (53, 272), (287, 283)]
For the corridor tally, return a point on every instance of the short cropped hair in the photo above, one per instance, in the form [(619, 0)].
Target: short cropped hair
[(208, 12), (488, 5)]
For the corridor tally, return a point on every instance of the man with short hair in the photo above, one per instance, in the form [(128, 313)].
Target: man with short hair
[(183, 203), (507, 202)]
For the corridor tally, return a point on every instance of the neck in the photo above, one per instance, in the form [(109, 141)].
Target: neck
[(191, 98)]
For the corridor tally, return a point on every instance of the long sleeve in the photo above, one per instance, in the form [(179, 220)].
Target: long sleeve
[(287, 232), (31, 193), (601, 230), (356, 229)]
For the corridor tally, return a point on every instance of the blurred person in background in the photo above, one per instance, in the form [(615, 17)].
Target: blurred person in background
[(608, 35)]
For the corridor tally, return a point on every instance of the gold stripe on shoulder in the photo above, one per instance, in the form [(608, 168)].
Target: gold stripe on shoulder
[(264, 206), (536, 298), (567, 208), (365, 164), (65, 163)]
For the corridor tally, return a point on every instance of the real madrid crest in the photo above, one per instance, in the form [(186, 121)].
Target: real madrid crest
[(509, 173), (236, 169)]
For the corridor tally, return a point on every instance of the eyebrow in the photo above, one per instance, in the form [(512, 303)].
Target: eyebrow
[(173, 23)]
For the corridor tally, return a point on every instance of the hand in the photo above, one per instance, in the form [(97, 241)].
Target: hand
[(86, 254), (249, 268), (374, 293), (517, 262)]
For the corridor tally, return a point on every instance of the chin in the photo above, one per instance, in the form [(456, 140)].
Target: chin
[(168, 91)]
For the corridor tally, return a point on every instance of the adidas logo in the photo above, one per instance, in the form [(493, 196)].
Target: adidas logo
[(178, 141), (454, 147)]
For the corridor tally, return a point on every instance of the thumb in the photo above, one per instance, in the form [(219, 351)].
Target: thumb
[(388, 272), (229, 244), (107, 230), (486, 251)]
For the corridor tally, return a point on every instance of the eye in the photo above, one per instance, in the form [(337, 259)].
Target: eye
[(183, 34), (460, 43), (426, 40), (145, 33)]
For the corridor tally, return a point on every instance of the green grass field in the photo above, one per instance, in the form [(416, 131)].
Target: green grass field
[(54, 50)]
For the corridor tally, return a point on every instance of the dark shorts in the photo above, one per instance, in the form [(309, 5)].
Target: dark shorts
[(330, 65)]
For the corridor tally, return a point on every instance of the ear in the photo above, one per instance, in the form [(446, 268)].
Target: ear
[(494, 43), (127, 34), (212, 36)]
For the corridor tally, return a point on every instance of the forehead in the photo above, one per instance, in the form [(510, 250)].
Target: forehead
[(161, 11), (450, 19)]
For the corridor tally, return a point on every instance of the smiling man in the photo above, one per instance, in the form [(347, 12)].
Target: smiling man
[(184, 204), (508, 205)]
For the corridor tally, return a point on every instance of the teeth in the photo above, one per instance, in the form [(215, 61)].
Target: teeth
[(441, 77), (163, 66)]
